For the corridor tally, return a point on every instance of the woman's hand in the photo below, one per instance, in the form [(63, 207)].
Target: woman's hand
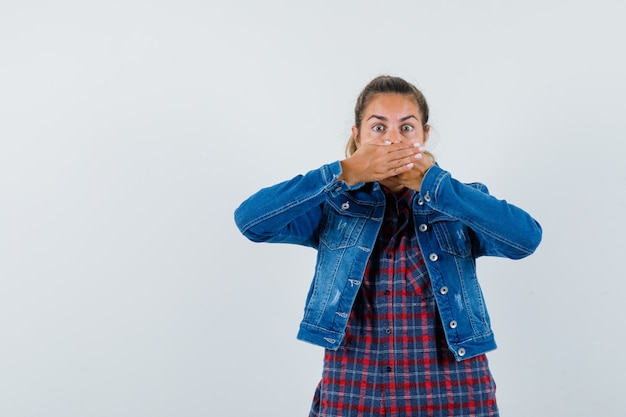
[(413, 177), (379, 161)]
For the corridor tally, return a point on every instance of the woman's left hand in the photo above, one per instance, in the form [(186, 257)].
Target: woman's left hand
[(413, 178)]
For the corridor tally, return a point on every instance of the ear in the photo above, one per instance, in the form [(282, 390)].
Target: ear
[(426, 132), (355, 135)]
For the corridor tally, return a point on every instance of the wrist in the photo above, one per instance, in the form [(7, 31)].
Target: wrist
[(346, 173)]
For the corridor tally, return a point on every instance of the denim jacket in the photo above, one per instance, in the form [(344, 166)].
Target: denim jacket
[(454, 222)]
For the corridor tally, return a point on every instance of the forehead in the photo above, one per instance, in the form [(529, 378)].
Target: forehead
[(391, 104)]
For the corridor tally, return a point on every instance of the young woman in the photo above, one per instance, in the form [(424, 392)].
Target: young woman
[(395, 299)]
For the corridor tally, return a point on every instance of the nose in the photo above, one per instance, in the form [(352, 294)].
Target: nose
[(394, 136)]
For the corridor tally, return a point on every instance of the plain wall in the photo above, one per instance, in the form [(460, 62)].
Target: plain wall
[(131, 130)]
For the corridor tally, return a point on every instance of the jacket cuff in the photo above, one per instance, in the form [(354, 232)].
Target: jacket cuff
[(334, 186), (431, 181)]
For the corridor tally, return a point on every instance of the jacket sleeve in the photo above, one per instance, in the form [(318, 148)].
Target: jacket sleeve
[(500, 228), (291, 211)]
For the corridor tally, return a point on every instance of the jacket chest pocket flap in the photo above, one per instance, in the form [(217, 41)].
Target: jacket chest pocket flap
[(452, 236), (343, 221)]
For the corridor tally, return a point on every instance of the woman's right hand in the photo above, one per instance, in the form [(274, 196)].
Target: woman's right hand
[(379, 161)]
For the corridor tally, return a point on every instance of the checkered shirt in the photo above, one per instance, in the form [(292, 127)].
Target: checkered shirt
[(394, 360)]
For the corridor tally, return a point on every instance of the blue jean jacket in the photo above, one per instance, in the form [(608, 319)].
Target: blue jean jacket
[(454, 222)]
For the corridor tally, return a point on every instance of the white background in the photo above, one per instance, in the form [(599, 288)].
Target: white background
[(131, 130)]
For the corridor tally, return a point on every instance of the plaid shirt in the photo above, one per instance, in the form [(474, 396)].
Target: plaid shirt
[(394, 360)]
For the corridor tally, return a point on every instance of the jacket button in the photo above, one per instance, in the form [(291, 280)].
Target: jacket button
[(461, 352), (427, 197), (433, 257), (443, 290), (423, 227), (420, 202), (453, 324), (345, 206)]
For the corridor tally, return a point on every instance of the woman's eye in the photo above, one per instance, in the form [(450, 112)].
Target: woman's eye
[(378, 128), (407, 128)]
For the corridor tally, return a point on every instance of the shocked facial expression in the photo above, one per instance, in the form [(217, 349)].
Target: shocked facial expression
[(391, 118)]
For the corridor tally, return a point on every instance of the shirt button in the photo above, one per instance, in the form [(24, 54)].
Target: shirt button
[(423, 227), (453, 324), (433, 257), (388, 330), (388, 256), (461, 352), (443, 290), (389, 369), (345, 206), (387, 292)]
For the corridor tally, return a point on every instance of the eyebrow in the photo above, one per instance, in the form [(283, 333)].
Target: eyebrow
[(384, 119)]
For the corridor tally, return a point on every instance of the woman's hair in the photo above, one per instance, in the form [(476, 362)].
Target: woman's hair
[(381, 85)]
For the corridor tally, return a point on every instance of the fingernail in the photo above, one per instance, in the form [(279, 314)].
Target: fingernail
[(422, 148), (409, 165), (417, 145), (418, 156), (387, 142)]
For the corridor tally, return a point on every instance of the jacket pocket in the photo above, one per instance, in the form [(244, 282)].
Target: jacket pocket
[(452, 236), (339, 231)]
